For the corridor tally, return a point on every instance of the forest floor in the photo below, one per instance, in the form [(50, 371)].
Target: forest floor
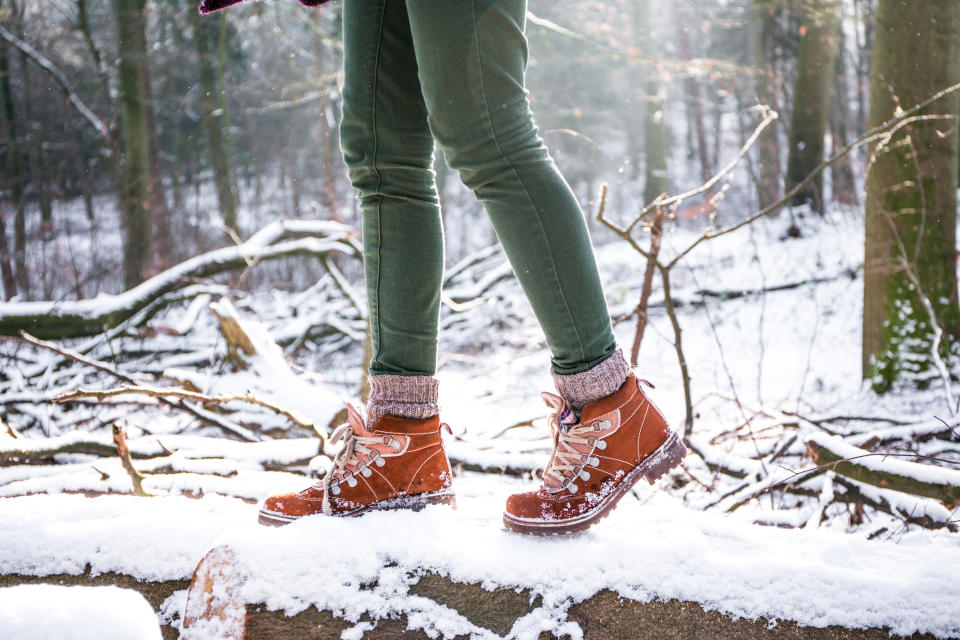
[(771, 372)]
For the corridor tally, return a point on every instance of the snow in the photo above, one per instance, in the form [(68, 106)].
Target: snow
[(755, 360), (886, 462), (50, 612), (653, 550)]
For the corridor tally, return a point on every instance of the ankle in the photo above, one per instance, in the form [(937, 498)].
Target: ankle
[(413, 397), (600, 381)]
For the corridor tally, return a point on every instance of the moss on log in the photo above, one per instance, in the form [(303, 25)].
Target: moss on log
[(855, 469)]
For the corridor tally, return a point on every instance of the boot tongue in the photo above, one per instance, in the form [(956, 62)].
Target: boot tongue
[(355, 420), (566, 417)]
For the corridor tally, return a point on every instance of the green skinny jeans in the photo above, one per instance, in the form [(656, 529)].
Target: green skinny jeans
[(451, 71)]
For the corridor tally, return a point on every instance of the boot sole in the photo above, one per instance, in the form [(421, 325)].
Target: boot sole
[(667, 456), (412, 502)]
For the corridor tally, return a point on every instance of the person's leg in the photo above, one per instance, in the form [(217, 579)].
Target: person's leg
[(395, 458), (471, 56), (388, 149)]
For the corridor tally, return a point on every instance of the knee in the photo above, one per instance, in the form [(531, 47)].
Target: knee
[(391, 163), (486, 145)]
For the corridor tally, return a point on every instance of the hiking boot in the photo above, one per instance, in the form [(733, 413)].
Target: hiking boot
[(596, 460), (398, 464)]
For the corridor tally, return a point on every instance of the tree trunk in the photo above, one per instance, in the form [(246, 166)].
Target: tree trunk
[(162, 235), (651, 91), (841, 172), (6, 265), (214, 116), (328, 142), (35, 159), (769, 184), (693, 101), (135, 198), (14, 175), (911, 206), (811, 100)]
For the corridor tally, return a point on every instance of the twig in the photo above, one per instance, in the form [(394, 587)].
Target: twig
[(226, 425), (120, 439), (13, 433), (656, 234), (206, 400)]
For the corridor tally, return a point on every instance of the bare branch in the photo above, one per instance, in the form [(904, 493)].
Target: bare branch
[(58, 75)]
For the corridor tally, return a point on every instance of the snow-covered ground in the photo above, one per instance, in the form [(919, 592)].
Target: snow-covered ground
[(767, 373), (654, 549)]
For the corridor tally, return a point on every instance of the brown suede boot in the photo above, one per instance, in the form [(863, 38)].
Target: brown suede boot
[(398, 464), (618, 440)]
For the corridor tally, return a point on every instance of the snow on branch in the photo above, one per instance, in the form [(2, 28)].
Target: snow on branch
[(885, 470), (55, 319)]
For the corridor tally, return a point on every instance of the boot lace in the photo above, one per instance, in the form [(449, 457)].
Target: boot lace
[(567, 463), (348, 456)]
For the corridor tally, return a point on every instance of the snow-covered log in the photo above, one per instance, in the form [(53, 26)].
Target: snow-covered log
[(56, 319), (887, 471)]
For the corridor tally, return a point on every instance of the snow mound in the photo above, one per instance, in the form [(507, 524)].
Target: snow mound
[(369, 566), (50, 612)]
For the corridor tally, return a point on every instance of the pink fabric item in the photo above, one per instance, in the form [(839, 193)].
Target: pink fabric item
[(209, 6)]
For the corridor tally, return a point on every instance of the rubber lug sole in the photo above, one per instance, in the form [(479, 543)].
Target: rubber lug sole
[(667, 456), (412, 502)]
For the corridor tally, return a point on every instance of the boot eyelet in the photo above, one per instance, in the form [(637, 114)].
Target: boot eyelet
[(364, 470), (594, 461), (334, 489), (351, 481), (379, 461), (601, 445), (393, 443), (572, 488), (584, 475)]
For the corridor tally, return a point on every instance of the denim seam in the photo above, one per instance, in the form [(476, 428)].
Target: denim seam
[(376, 172), (496, 141)]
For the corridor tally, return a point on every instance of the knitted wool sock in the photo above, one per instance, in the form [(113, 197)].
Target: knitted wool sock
[(402, 396), (579, 389)]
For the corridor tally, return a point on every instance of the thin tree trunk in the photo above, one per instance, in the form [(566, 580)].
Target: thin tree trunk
[(35, 160), (162, 236), (841, 172), (213, 116), (651, 91), (769, 184), (135, 196), (328, 142), (693, 101), (911, 208), (811, 100), (6, 265), (15, 176)]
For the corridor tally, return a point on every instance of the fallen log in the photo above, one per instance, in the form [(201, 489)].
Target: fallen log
[(885, 470), (56, 319)]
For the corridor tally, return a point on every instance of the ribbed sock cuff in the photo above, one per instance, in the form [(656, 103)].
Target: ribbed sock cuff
[(579, 389), (402, 396)]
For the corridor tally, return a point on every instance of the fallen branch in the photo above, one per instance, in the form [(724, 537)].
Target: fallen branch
[(882, 470), (205, 400), (53, 319), (204, 415)]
